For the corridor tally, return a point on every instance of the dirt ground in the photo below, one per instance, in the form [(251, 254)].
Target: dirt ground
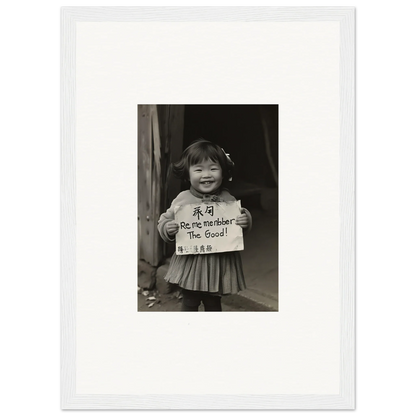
[(153, 301)]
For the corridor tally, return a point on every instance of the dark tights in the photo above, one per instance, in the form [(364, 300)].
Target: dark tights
[(192, 299)]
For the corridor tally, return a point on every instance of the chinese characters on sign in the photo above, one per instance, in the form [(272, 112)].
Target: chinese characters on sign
[(208, 228), (194, 249)]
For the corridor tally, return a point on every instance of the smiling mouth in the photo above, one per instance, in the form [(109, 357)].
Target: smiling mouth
[(207, 182)]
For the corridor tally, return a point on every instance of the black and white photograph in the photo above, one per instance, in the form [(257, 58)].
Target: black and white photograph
[(208, 185), (220, 251)]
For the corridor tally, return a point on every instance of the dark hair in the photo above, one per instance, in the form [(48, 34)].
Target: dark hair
[(198, 151)]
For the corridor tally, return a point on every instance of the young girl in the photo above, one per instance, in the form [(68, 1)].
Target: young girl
[(203, 277)]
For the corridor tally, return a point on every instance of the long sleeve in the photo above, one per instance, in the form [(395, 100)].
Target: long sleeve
[(183, 198), (250, 219), (163, 220), (228, 197)]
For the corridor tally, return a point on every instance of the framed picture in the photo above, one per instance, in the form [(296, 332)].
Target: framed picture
[(208, 165)]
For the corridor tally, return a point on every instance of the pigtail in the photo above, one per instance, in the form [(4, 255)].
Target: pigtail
[(179, 169)]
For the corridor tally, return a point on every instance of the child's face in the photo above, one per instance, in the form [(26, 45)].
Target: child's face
[(206, 176)]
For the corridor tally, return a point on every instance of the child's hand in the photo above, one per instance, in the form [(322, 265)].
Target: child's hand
[(172, 228), (242, 220)]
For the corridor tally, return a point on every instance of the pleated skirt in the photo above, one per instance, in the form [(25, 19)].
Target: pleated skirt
[(220, 273)]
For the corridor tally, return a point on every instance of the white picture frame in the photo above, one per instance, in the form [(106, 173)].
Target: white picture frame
[(304, 359)]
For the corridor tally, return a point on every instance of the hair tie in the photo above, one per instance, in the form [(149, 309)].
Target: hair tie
[(227, 155)]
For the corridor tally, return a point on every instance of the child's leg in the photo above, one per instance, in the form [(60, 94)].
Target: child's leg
[(212, 303), (190, 301)]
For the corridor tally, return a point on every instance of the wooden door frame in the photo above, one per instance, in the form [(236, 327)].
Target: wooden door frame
[(160, 138)]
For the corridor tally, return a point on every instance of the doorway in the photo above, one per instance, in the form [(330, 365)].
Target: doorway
[(249, 133)]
